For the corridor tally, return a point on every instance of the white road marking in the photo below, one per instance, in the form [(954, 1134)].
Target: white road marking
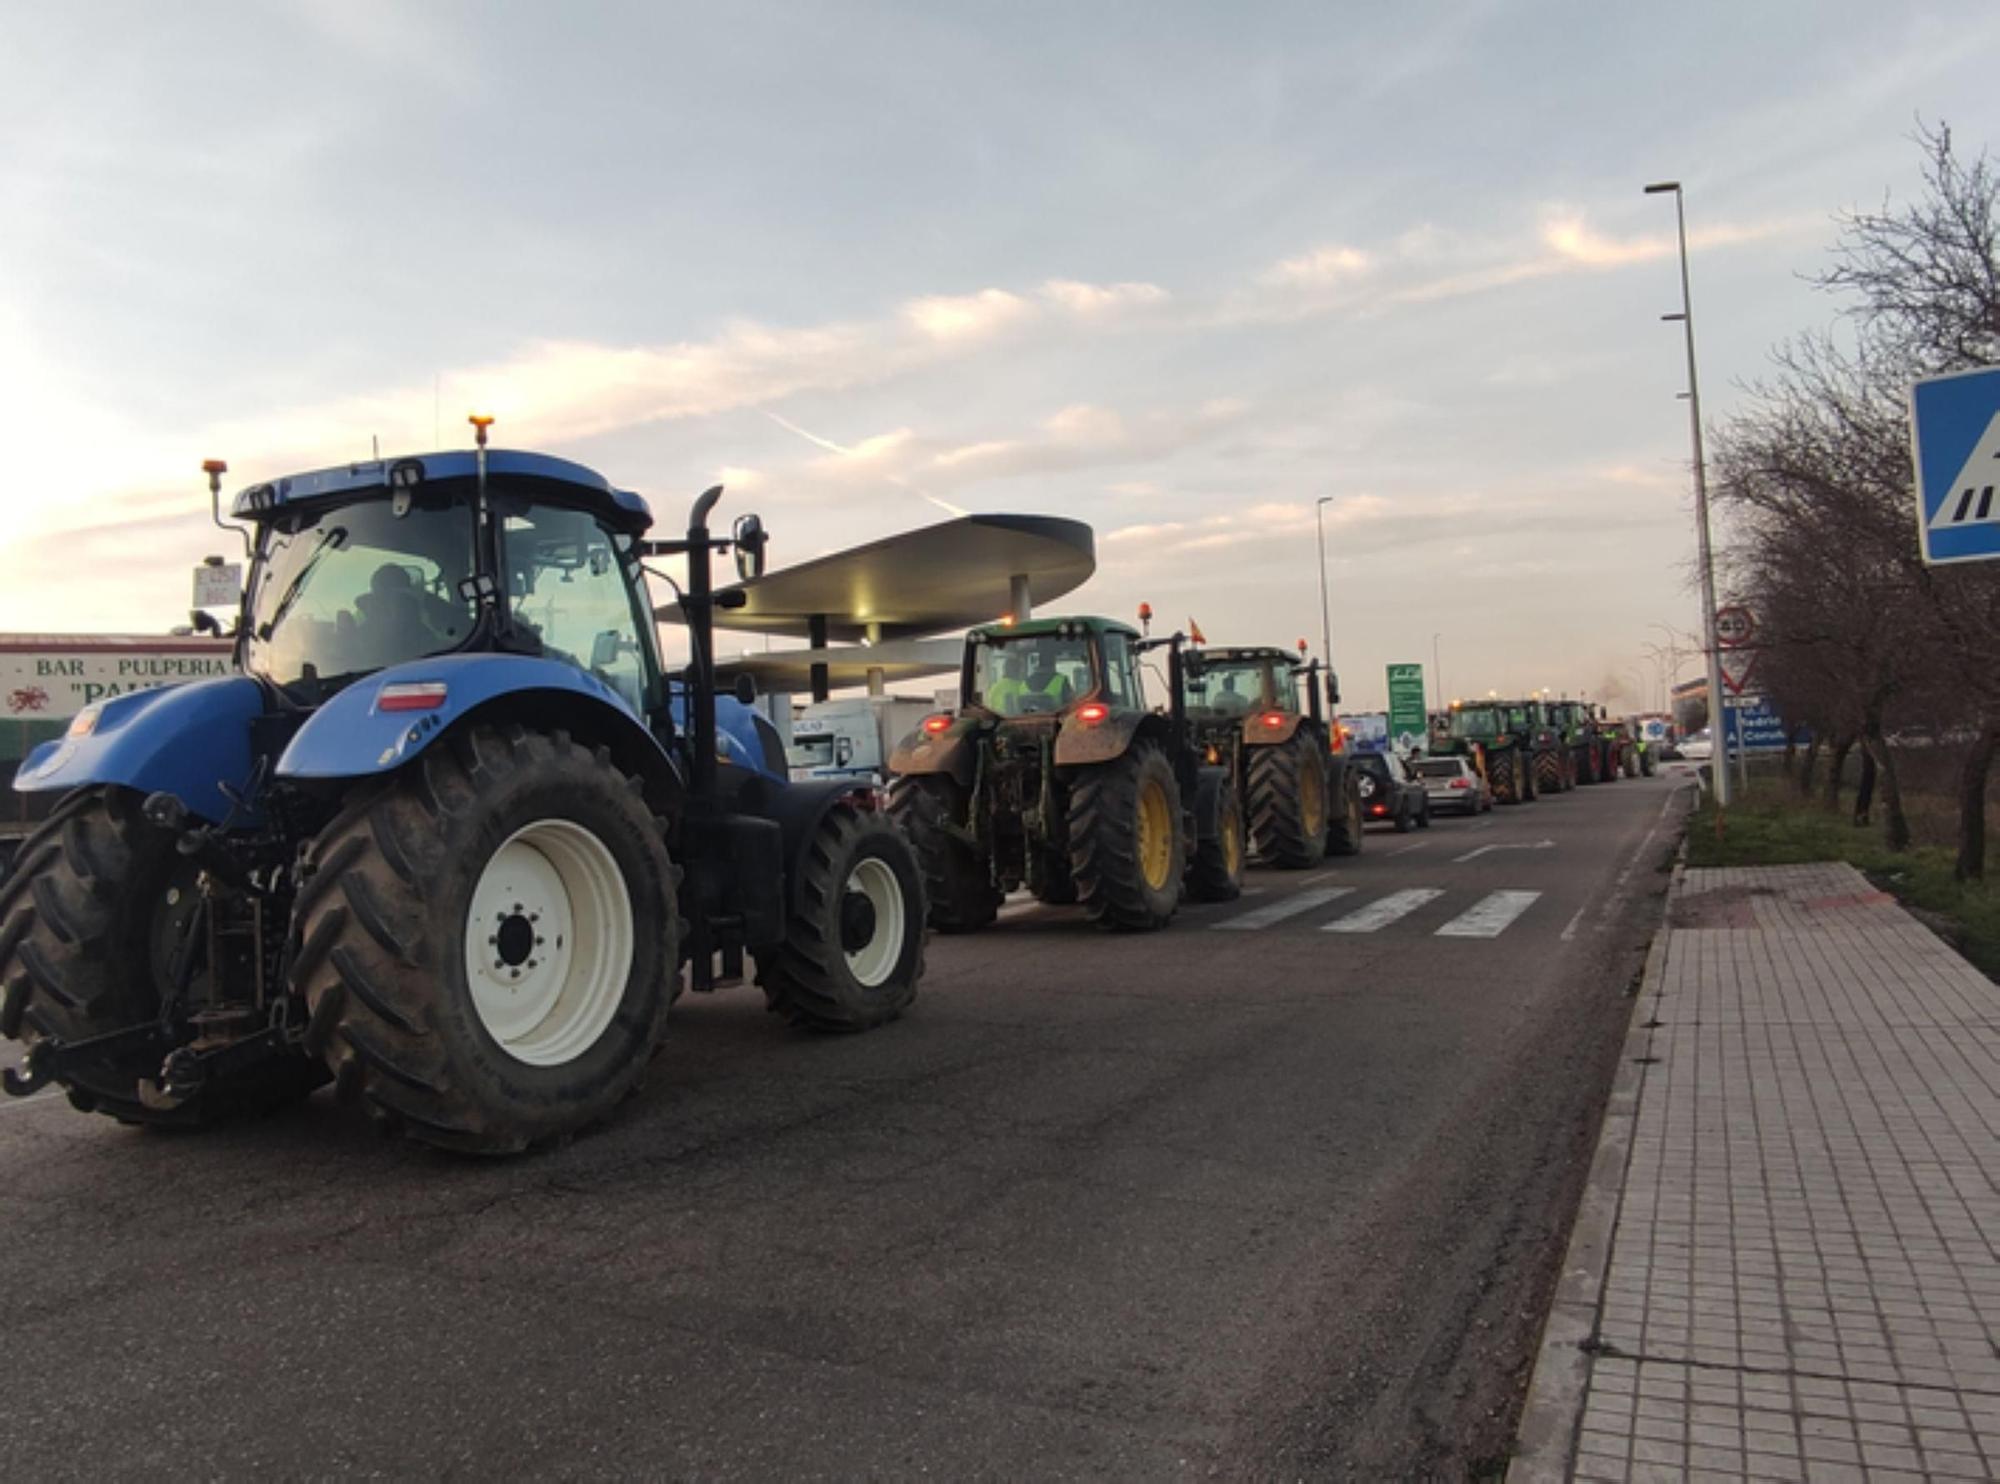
[(1624, 876), (14, 1105), (1491, 916), (1523, 845), (1315, 878), (1283, 907), (1570, 931), (1408, 848), (1380, 914)]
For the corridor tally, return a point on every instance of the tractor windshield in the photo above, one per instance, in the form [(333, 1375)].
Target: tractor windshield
[(341, 592), (1232, 687), (1030, 675), (1476, 723)]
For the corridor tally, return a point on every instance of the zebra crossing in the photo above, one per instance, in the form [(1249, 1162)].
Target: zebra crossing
[(1487, 917)]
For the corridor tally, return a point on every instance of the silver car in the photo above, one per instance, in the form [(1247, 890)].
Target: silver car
[(1452, 784)]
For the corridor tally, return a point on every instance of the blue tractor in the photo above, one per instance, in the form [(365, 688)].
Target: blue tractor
[(452, 839)]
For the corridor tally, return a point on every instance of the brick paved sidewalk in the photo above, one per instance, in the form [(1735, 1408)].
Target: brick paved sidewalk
[(1804, 1272)]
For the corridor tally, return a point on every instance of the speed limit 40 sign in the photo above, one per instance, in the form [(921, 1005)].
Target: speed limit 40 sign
[(1733, 626)]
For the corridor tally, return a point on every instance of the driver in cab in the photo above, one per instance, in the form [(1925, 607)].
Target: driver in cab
[(1030, 685)]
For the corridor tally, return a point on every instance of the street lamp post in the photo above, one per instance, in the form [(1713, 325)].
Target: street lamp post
[(1325, 620), (1437, 672), (1719, 761)]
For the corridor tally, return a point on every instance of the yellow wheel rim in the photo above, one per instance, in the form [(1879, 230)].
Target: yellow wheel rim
[(1156, 835), (1232, 840), (1312, 800)]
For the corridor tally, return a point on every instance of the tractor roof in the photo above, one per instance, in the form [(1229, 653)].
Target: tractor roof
[(1246, 653), (533, 473), (1061, 627)]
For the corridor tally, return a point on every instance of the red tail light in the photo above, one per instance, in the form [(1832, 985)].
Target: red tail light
[(935, 725), (1090, 713), (1461, 783), (1273, 719)]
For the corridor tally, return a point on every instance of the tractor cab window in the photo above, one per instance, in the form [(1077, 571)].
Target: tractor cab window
[(1475, 723), (570, 592), (1121, 674), (339, 593), (1032, 675), (1230, 688)]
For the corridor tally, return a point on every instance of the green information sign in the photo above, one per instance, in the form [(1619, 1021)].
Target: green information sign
[(1408, 721)]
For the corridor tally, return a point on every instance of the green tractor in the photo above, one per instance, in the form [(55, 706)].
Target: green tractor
[(1595, 747), (1054, 774), (1511, 743), (1243, 707)]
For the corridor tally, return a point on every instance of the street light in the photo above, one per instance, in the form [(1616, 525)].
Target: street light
[(1437, 670), (1325, 622), (1717, 729)]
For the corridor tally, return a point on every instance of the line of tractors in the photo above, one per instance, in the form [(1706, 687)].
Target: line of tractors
[(452, 837), (1525, 749)]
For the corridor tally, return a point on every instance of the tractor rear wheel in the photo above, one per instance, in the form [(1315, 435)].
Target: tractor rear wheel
[(854, 944), (957, 884), (1125, 845), (1343, 831), (1550, 768), (1288, 803), (489, 941), (1216, 872), (90, 919)]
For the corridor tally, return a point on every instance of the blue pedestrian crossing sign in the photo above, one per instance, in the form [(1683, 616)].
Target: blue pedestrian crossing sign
[(1955, 428)]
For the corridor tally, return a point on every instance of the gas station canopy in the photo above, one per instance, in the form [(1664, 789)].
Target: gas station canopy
[(930, 581), (790, 671)]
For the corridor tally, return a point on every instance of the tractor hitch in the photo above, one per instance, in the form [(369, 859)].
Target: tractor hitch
[(48, 1060)]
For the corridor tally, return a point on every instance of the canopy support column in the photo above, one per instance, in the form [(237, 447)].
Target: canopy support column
[(816, 637)]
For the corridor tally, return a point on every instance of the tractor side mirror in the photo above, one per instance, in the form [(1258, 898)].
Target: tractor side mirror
[(750, 538), (744, 689), (605, 649), (1332, 689)]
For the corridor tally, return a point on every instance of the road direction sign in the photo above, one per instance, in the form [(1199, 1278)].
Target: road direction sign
[(1752, 726), (1955, 431), (1406, 704), (1733, 626)]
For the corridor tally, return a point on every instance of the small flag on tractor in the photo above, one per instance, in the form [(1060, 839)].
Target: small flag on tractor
[(1195, 633)]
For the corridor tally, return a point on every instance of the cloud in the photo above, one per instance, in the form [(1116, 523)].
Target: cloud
[(1092, 300), (1320, 267), (967, 316)]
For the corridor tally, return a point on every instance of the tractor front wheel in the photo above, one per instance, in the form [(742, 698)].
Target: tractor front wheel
[(1343, 831), (91, 917), (1288, 801), (854, 943), (957, 884), (1125, 845), (489, 942), (1216, 872)]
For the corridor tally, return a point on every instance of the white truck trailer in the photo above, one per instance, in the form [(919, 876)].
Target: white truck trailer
[(852, 737)]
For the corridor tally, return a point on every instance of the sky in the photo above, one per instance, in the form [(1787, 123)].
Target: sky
[(1178, 271)]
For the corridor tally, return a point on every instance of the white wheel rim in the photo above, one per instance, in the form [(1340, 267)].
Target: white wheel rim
[(548, 942), (874, 961)]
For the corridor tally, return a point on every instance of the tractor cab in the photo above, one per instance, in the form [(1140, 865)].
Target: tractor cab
[(1048, 668)]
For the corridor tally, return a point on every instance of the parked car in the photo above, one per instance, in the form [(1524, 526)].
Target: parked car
[(1452, 783), (1389, 795), (1697, 747)]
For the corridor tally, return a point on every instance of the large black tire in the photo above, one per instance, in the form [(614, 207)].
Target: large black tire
[(854, 940), (1058, 888), (1288, 801), (1343, 827), (89, 919), (957, 883), (1215, 874), (1646, 762), (1549, 770), (1113, 840), (386, 917)]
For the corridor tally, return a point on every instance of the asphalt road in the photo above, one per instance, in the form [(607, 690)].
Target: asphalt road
[(1256, 1201)]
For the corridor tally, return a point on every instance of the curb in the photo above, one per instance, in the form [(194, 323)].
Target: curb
[(1545, 1438)]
